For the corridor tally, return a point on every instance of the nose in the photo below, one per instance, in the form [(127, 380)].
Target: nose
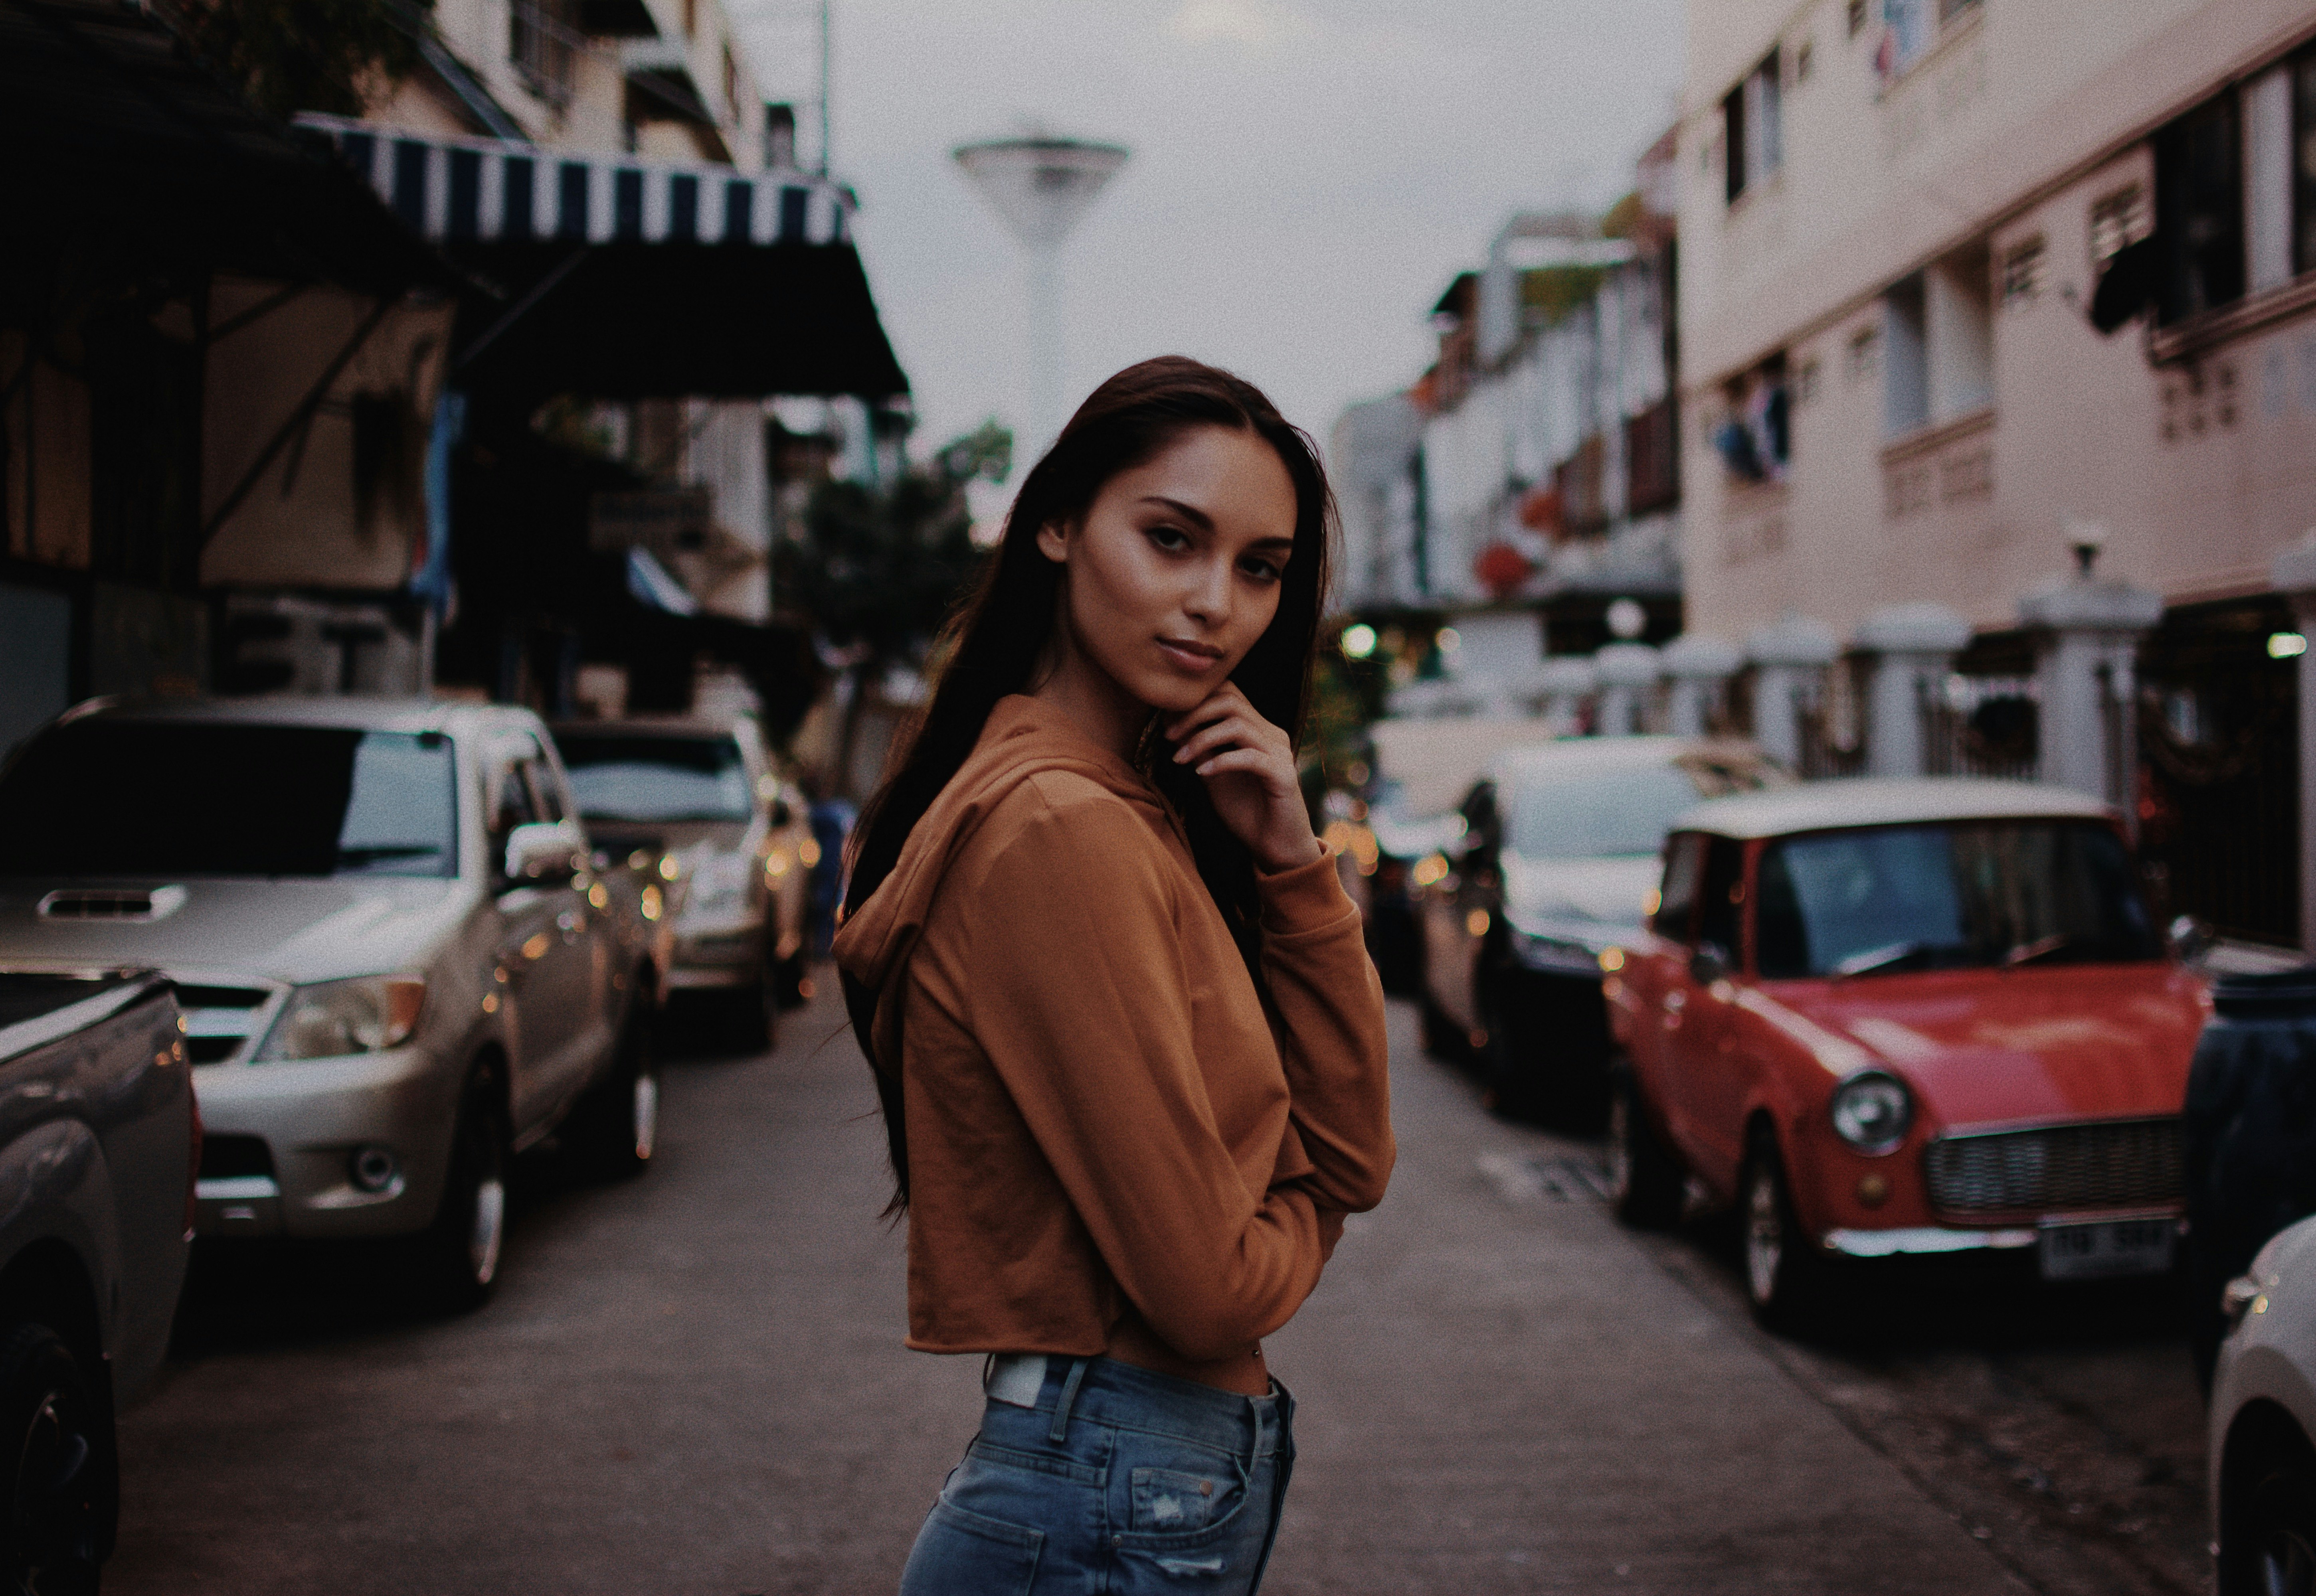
[(1208, 601)]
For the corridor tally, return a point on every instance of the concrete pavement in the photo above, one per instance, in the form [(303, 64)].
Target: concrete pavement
[(695, 1383)]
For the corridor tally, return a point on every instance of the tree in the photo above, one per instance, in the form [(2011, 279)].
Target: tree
[(878, 568)]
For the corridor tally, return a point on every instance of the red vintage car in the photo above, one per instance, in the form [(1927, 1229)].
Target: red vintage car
[(1893, 1017)]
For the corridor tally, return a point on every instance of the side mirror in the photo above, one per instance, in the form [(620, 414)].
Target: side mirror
[(1708, 963), (2192, 938), (543, 849)]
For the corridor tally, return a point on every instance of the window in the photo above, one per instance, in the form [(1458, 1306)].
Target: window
[(2304, 166), (1911, 28), (1755, 441), (2117, 219), (1806, 383), (1906, 366), (657, 780), (1752, 128), (1721, 895), (539, 43), (302, 800), (1857, 15), (2199, 211), (2022, 274), (1862, 356), (1677, 901), (1971, 894)]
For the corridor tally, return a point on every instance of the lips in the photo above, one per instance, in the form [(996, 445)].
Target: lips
[(1194, 658)]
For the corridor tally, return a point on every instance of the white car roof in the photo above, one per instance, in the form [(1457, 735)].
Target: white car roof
[(1570, 754), (1830, 805), (367, 715)]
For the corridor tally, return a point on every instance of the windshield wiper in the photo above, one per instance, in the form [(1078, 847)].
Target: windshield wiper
[(1880, 958), (2027, 953), (371, 855)]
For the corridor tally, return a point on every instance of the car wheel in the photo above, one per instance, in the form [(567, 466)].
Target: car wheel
[(2267, 1539), (1646, 1182), (1441, 1038), (62, 1480), (1783, 1272), (788, 979), (616, 1126), (458, 1256), (1514, 1061)]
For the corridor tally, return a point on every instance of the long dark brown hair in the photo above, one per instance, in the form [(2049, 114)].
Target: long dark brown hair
[(992, 645)]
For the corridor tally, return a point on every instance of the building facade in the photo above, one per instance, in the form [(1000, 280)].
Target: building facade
[(1998, 333), (1533, 468)]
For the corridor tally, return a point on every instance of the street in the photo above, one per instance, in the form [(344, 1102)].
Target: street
[(695, 1383)]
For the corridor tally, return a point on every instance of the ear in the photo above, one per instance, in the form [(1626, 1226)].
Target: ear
[(1054, 542)]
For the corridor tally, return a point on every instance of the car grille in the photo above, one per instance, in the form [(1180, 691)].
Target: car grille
[(235, 1157), (220, 1021), (2116, 1164)]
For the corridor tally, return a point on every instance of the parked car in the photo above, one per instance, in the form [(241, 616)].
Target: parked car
[(732, 839), (1906, 1017), (1555, 849), (99, 1139), (397, 970), (2263, 1423), (2250, 1134)]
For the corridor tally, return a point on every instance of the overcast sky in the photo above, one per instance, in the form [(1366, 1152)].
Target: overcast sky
[(1307, 175)]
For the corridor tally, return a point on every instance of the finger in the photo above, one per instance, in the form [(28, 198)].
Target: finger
[(1211, 736), (1243, 760), (1223, 700), (1238, 730)]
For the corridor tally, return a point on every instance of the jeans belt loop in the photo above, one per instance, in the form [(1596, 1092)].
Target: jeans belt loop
[(1060, 1432)]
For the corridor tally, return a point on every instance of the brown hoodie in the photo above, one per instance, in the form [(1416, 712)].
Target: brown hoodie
[(1112, 1148)]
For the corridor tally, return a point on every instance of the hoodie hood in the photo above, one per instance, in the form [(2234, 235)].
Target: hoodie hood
[(1023, 738)]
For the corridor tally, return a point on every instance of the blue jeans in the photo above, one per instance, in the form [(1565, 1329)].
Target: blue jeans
[(1118, 1482)]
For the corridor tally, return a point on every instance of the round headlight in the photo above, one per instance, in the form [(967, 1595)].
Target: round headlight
[(1873, 1112)]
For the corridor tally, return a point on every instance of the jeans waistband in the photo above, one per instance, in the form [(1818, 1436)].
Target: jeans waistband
[(1105, 1391)]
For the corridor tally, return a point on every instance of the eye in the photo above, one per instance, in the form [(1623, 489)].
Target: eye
[(1262, 567), (1170, 537)]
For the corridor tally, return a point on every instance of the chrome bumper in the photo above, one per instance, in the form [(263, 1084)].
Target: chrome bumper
[(1916, 1239)]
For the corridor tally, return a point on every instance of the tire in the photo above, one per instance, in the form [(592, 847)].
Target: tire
[(2268, 1538), (1513, 1062), (63, 1478), (458, 1256), (1646, 1184), (1441, 1039), (788, 979), (751, 1020), (615, 1126), (1785, 1277)]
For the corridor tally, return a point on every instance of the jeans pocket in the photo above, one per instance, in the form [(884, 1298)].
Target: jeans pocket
[(962, 1553), (1169, 1500)]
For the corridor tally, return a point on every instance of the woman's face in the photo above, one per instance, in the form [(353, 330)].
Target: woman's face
[(1175, 571)]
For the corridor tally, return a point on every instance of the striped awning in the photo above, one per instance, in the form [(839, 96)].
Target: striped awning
[(485, 190), (626, 278)]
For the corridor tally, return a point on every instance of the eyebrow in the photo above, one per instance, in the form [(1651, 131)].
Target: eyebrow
[(1192, 512)]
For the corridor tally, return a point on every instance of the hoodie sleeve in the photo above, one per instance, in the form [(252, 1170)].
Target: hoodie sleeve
[(1081, 1002), (1330, 1032)]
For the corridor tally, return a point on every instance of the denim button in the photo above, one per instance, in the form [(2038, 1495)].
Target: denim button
[(1118, 1540)]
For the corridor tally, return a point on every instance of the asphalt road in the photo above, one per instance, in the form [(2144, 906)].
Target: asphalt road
[(694, 1383)]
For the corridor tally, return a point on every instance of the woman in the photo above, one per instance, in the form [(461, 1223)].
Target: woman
[(1130, 1047)]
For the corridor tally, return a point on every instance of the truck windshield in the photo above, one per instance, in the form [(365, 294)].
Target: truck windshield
[(166, 798), (1597, 814), (656, 779), (1965, 894)]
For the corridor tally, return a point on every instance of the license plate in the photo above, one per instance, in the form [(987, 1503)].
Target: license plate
[(2104, 1250)]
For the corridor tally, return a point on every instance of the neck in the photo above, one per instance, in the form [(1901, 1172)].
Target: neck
[(1095, 704)]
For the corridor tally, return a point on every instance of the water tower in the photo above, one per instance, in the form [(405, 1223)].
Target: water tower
[(1042, 187)]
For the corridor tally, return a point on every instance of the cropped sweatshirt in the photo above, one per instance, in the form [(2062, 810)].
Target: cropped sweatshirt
[(1114, 1146)]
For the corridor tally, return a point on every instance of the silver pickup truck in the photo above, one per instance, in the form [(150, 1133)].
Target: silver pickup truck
[(98, 1144), (397, 965)]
